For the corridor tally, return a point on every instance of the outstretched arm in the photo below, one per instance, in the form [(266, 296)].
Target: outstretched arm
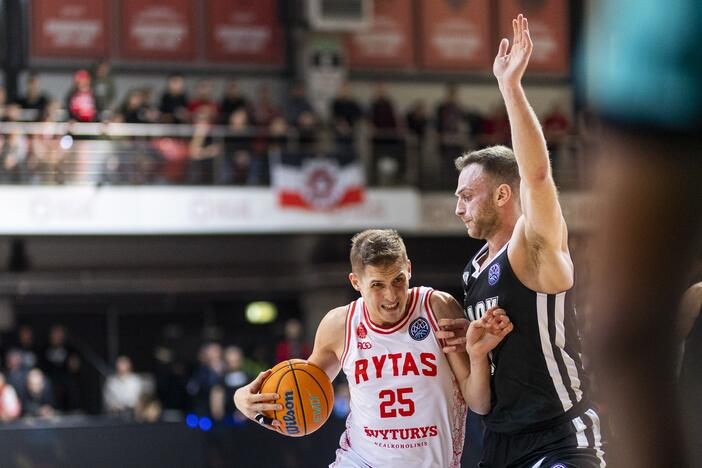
[(470, 365), (542, 228)]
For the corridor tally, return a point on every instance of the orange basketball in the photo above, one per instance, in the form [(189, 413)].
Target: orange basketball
[(306, 394)]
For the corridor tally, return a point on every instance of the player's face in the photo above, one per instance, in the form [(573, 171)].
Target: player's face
[(475, 205), (385, 290)]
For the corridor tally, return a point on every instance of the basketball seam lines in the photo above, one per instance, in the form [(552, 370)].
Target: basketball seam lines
[(277, 387), (319, 384), (299, 396)]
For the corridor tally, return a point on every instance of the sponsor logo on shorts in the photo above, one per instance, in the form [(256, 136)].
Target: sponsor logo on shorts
[(289, 417), (494, 274), (419, 329), (401, 438)]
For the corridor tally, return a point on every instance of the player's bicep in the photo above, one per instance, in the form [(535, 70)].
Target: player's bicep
[(326, 352), (326, 360), (543, 218)]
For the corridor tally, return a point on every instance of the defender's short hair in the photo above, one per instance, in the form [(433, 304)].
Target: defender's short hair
[(376, 247), (498, 161)]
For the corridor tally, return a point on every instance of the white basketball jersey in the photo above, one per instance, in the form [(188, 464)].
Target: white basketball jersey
[(406, 408)]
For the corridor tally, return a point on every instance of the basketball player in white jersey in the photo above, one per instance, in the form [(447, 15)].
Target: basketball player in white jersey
[(408, 398)]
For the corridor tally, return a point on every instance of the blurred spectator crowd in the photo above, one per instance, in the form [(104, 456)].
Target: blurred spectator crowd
[(50, 381), (230, 139)]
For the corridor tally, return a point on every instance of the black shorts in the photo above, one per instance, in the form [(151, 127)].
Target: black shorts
[(572, 444)]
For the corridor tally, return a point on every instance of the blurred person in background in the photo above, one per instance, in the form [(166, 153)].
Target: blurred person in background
[(104, 87), (388, 164), (203, 150), (234, 378), (15, 374), (172, 375), (15, 154), (122, 389), (34, 98), (10, 405), (150, 110), (232, 101), (132, 109), (27, 346), (293, 344), (81, 104), (265, 110), (451, 129), (643, 68), (236, 160), (174, 101), (346, 113), (38, 400), (300, 114), (495, 128), (257, 360), (203, 102), (205, 378), (62, 364), (417, 119)]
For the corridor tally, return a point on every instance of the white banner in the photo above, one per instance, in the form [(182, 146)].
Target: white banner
[(190, 210)]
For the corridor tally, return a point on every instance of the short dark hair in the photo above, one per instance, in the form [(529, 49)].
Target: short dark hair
[(498, 161), (376, 247)]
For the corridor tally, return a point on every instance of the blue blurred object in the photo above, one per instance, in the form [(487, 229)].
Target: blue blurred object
[(643, 62), (205, 423), (191, 420)]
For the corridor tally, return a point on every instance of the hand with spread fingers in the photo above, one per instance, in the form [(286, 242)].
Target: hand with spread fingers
[(454, 332), (487, 332), (252, 404), (511, 63)]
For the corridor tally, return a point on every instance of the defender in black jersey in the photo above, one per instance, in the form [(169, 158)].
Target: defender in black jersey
[(540, 414)]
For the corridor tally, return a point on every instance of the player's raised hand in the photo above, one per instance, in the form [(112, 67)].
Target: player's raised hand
[(252, 404), (487, 332), (453, 334), (510, 63)]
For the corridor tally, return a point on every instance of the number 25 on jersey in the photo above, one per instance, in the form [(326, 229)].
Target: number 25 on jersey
[(396, 402)]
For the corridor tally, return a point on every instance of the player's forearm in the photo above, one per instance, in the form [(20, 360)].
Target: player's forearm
[(528, 139), (476, 388)]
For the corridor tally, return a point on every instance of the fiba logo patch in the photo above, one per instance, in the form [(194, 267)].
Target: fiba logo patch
[(419, 329), (494, 274), (361, 331)]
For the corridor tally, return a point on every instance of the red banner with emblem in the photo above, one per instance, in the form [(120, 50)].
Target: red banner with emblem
[(389, 41), (69, 28), (456, 35), (244, 31), (158, 29), (549, 25)]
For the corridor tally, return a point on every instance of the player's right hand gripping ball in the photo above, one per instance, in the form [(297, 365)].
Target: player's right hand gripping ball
[(306, 395)]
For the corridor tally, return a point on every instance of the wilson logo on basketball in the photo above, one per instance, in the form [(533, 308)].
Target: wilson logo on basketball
[(361, 331), (289, 417)]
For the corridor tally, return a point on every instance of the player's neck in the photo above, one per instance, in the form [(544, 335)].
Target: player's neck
[(496, 241)]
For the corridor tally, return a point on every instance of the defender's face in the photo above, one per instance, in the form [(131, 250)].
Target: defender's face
[(385, 290), (475, 205)]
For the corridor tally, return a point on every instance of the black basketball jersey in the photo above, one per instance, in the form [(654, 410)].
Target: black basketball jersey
[(537, 375)]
